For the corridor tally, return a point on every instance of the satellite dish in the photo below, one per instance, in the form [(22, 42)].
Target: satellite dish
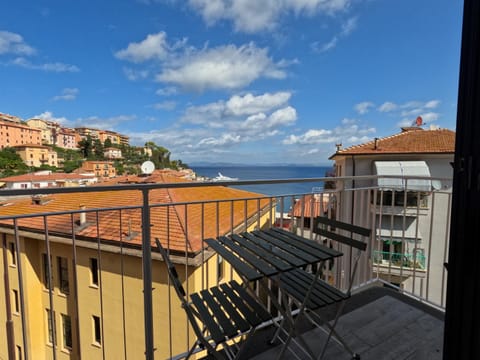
[(148, 167)]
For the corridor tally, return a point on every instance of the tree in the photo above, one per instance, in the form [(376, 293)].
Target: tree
[(98, 149), (11, 163), (86, 146), (71, 165), (119, 168), (107, 143)]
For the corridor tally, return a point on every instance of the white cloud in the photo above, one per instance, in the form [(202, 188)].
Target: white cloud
[(67, 94), (363, 107), (230, 113), (250, 104), (49, 67), (283, 117), (103, 122), (12, 43), (430, 117), (349, 132), (312, 136), (346, 29), (252, 16), (134, 74), (224, 139), (48, 116), (165, 105), (154, 46), (387, 107), (167, 91), (432, 104), (224, 67), (413, 109), (325, 47)]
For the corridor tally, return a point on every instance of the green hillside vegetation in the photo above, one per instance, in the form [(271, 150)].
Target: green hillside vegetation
[(132, 158), (11, 163)]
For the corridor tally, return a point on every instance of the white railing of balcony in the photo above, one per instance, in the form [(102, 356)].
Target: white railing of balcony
[(114, 297)]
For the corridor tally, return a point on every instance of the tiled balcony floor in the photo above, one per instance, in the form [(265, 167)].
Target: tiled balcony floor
[(378, 323)]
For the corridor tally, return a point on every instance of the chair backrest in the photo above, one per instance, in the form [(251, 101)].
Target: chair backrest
[(323, 226), (172, 272)]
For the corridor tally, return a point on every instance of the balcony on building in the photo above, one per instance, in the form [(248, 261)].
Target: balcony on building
[(78, 258)]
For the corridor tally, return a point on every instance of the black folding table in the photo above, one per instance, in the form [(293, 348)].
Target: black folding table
[(267, 254)]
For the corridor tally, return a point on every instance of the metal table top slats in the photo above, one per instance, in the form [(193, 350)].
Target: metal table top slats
[(240, 266), (207, 318), (293, 290), (309, 246), (241, 305), (322, 248), (318, 295), (224, 322), (251, 302), (253, 246), (320, 285), (240, 323), (288, 247), (255, 261), (292, 260)]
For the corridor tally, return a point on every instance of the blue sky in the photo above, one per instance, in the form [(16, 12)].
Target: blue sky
[(242, 81)]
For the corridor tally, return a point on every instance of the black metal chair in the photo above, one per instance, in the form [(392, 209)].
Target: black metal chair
[(297, 284), (220, 315)]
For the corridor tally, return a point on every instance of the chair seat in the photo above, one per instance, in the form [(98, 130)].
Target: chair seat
[(297, 282), (228, 310)]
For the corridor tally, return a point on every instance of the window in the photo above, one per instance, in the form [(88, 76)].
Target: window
[(13, 255), (63, 275), (51, 326), (46, 270), (97, 334), (67, 331), (19, 352), (16, 305), (94, 271), (220, 264)]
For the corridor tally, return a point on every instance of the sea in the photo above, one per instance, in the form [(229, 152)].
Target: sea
[(270, 173)]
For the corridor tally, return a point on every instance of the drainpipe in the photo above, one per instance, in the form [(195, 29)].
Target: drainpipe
[(8, 305)]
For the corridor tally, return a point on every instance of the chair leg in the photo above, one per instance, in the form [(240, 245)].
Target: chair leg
[(337, 336)]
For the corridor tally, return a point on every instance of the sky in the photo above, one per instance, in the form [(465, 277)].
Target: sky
[(239, 81)]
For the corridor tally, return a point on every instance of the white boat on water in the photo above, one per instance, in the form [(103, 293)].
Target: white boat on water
[(221, 177)]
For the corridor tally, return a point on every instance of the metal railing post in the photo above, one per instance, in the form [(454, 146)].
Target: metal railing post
[(147, 276)]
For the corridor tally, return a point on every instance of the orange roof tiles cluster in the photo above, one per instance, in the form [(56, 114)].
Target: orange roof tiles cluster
[(181, 227), (49, 177), (410, 140), (313, 205)]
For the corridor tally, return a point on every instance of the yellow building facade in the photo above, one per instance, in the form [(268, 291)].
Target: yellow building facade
[(37, 155)]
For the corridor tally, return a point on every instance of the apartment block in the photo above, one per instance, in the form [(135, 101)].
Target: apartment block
[(14, 133), (37, 155), (66, 139), (49, 129), (101, 169)]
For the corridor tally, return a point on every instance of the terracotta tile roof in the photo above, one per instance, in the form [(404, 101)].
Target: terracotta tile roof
[(410, 140), (168, 223), (313, 205), (50, 177)]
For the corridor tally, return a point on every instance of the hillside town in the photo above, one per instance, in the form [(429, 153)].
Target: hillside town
[(62, 156)]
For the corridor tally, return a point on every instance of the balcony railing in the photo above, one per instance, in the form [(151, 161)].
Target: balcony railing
[(399, 259), (119, 303)]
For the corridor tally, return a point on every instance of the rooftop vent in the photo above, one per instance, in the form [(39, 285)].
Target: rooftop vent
[(40, 199)]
